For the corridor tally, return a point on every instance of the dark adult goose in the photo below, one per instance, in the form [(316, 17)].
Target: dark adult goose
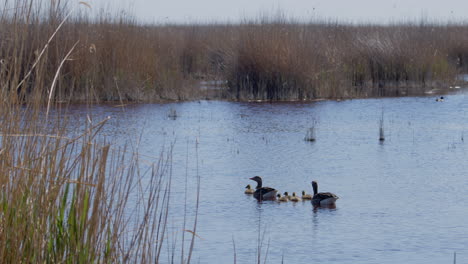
[(323, 198), (263, 193)]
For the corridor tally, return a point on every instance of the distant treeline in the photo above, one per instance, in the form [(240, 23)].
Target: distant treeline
[(117, 58)]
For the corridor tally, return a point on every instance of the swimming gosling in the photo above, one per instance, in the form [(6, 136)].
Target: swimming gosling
[(306, 196), (249, 190), (281, 198), (294, 198)]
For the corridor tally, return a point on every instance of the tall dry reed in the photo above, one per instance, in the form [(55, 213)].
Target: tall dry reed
[(118, 58), (69, 197)]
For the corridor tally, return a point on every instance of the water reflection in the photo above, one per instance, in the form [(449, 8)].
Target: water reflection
[(316, 207), (422, 160)]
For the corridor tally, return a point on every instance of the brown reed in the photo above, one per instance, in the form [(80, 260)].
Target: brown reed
[(65, 198), (269, 58)]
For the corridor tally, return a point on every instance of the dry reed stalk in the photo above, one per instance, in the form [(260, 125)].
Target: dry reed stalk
[(185, 203), (197, 204), (54, 81), (45, 47), (234, 249)]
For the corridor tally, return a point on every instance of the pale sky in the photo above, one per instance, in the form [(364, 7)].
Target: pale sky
[(180, 11)]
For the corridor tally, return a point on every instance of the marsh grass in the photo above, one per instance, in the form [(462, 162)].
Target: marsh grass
[(78, 199), (271, 58), (286, 60), (70, 197)]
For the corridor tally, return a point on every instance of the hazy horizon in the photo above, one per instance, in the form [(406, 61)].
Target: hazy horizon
[(358, 11)]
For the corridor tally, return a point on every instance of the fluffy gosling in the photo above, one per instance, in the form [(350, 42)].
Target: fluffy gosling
[(282, 198), (306, 196), (294, 198), (249, 190)]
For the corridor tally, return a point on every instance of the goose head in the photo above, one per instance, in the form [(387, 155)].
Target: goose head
[(256, 178), (248, 187)]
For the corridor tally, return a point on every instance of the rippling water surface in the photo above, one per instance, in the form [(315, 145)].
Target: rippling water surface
[(401, 201)]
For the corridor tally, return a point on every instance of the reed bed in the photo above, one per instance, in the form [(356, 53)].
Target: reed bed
[(71, 197), (117, 58), (79, 199)]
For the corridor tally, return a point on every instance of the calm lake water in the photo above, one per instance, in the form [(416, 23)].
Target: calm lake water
[(401, 201)]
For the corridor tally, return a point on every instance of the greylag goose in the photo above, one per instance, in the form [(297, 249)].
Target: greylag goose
[(263, 193), (323, 198)]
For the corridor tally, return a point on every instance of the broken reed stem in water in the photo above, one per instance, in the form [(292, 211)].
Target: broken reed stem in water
[(381, 128), (234, 248), (310, 134)]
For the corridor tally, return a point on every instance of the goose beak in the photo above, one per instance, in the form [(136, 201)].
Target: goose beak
[(251, 178)]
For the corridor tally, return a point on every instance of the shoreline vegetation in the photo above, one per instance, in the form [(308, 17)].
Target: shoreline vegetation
[(116, 58), (67, 194)]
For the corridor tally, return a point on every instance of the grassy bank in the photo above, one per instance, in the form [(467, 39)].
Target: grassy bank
[(117, 58)]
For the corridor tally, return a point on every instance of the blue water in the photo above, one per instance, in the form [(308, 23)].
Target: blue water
[(401, 201)]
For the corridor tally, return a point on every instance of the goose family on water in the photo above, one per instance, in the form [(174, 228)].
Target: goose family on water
[(262, 193)]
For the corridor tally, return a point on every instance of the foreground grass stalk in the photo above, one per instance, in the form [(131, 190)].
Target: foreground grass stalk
[(197, 204)]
